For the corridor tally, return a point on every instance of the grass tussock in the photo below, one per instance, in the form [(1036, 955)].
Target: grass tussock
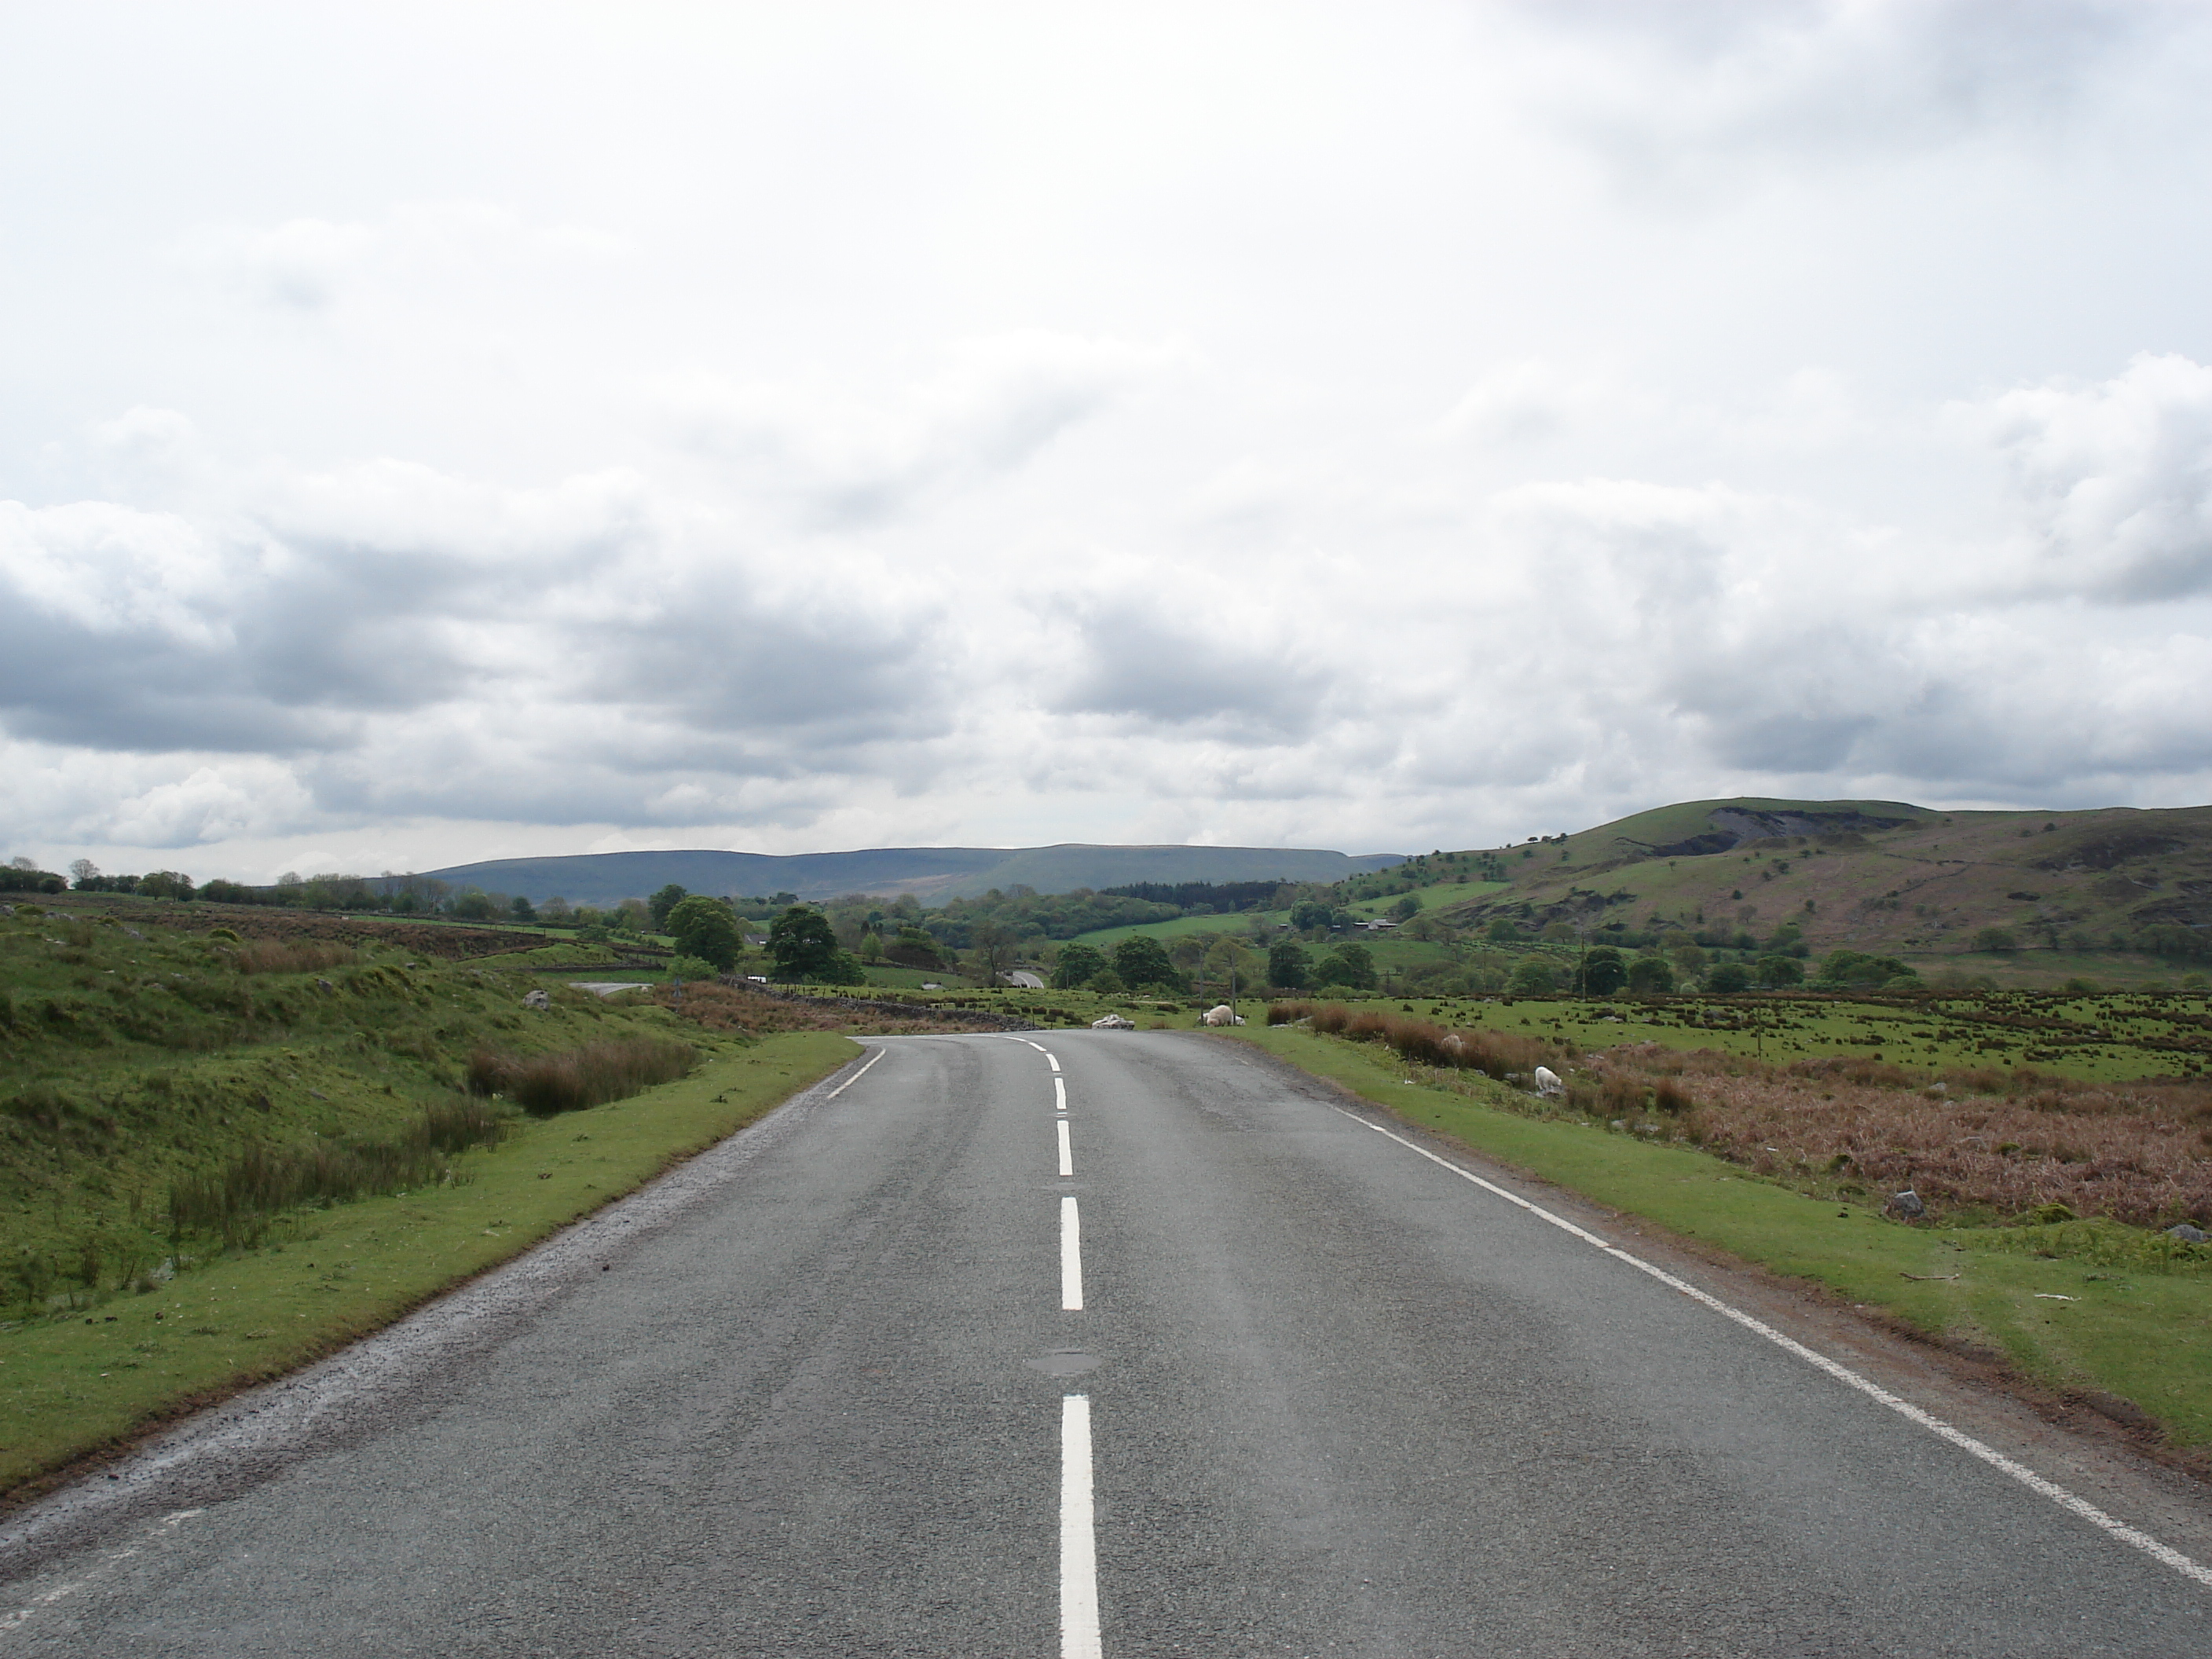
[(274, 956), (240, 1202), (569, 1081)]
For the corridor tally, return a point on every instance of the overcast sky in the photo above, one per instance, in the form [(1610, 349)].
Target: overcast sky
[(450, 432)]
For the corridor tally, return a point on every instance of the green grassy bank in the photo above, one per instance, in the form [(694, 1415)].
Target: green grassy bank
[(73, 1384), (2131, 1324)]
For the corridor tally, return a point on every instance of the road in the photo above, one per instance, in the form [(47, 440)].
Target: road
[(1203, 1363)]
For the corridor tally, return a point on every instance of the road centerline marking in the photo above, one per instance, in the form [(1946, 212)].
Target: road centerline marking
[(2163, 1553), (1052, 1060), (1059, 1095), (1079, 1539), (1071, 1257), (1067, 1152)]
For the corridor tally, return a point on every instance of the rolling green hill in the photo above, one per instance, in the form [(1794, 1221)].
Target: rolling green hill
[(1876, 876)]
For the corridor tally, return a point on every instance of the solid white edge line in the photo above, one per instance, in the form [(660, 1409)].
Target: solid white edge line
[(1844, 1374), (1058, 1095), (1078, 1543), (858, 1075), (1071, 1257), (1067, 1152)]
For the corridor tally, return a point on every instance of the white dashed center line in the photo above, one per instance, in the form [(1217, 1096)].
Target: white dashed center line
[(1071, 1257), (1079, 1547), (1067, 1152)]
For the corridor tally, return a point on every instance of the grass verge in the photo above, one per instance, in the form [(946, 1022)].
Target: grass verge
[(71, 1390), (2120, 1335)]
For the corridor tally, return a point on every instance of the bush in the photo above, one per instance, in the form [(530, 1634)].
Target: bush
[(690, 968), (593, 1075)]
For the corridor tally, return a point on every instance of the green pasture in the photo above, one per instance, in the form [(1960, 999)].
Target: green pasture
[(1441, 896), (2080, 1307)]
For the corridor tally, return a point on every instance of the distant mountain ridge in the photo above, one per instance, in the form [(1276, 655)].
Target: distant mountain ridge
[(932, 874)]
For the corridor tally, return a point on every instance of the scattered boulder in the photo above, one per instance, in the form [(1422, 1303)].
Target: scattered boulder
[(1222, 1016), (539, 998), (1906, 1205), (1113, 1023), (1548, 1082), (325, 985), (2189, 1235)]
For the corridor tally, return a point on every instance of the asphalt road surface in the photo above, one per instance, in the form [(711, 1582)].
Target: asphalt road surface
[(1202, 1364)]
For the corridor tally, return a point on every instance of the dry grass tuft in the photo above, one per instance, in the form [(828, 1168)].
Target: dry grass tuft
[(590, 1076), (2006, 1144), (272, 956)]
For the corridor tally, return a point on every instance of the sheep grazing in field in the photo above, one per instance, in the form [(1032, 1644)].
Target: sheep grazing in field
[(1548, 1083), (1222, 1016), (1113, 1023)]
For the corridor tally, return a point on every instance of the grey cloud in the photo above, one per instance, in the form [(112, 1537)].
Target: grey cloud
[(1180, 674)]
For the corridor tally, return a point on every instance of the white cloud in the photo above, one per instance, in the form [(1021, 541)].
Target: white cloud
[(2117, 479)]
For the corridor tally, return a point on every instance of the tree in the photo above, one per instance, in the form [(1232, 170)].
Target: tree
[(664, 901), (1289, 967), (1995, 938), (1729, 976), (1775, 969), (521, 908), (871, 946), (473, 907), (1350, 965), (166, 884), (802, 942), (1308, 913), (995, 949), (705, 928), (1407, 907), (86, 872), (1602, 972), (1142, 963), (1078, 965), (1650, 974), (1533, 976)]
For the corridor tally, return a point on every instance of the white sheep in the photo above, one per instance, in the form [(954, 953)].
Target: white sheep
[(1548, 1083), (1222, 1016)]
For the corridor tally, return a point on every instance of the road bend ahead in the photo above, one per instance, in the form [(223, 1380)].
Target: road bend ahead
[(1102, 1342)]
